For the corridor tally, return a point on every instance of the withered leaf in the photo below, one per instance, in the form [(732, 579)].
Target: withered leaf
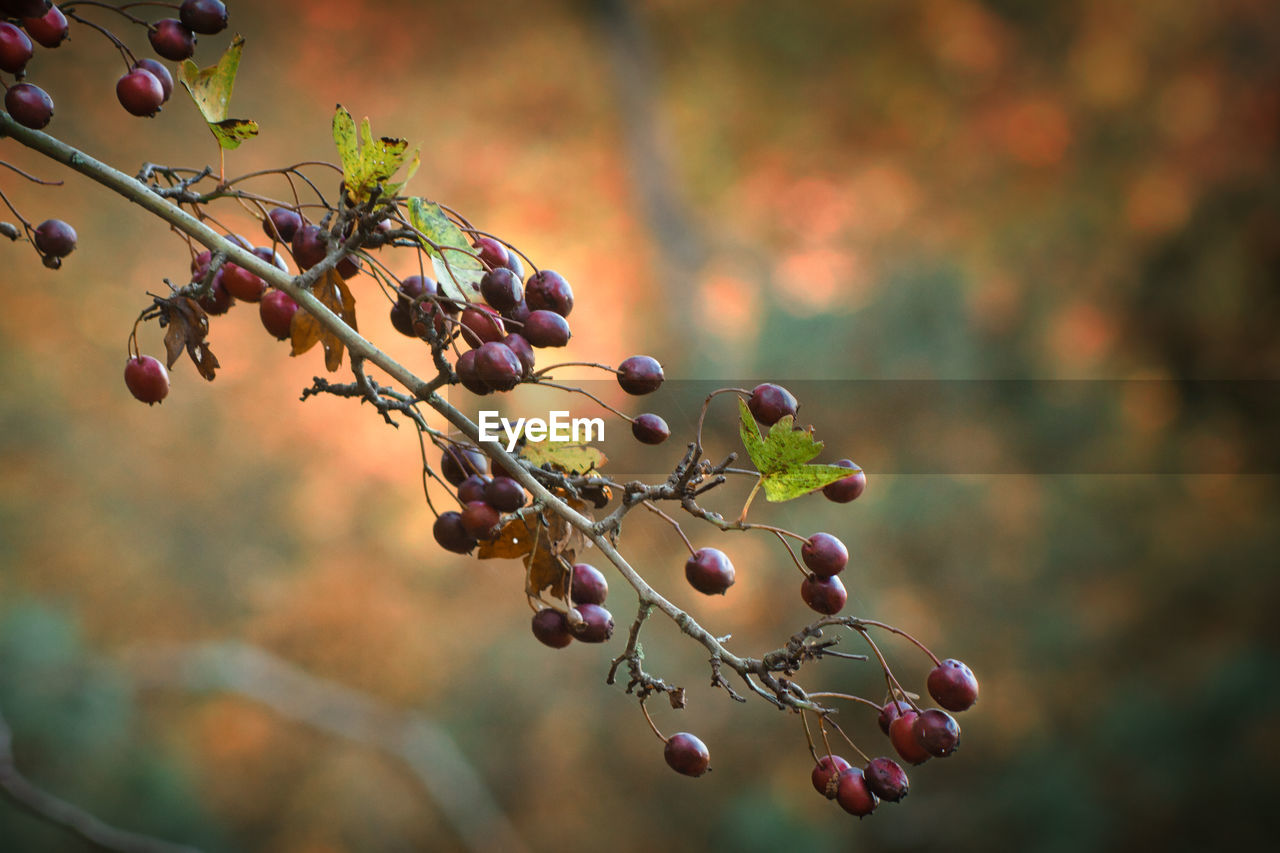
[(305, 331), (187, 325), (515, 540)]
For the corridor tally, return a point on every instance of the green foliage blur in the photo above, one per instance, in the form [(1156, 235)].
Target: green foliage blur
[(896, 190)]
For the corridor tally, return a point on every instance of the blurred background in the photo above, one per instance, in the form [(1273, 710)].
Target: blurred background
[(868, 202)]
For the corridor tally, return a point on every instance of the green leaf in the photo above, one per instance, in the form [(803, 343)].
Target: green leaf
[(370, 163), (569, 457), (459, 278), (211, 87), (780, 457)]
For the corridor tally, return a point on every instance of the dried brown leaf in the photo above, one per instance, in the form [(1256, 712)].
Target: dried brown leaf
[(186, 327), (305, 330)]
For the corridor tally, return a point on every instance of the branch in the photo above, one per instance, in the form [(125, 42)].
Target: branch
[(51, 809), (423, 747)]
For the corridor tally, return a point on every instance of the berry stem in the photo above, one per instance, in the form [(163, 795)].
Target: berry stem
[(649, 505), (649, 719), (32, 178), (706, 404), (574, 390), (849, 740), (921, 646), (787, 545), (846, 696), (129, 59), (889, 678), (595, 364)]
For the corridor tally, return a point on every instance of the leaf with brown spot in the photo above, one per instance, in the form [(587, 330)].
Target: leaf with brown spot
[(514, 541), (186, 326), (305, 331)]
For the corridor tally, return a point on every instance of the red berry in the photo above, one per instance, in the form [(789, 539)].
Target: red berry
[(551, 628), (140, 92), (241, 283), (146, 379), (890, 712), (217, 300), (469, 374), (937, 732), (492, 253), (207, 17), (15, 48), (825, 773), (308, 246), (687, 754), (501, 289), (157, 70), (824, 595), (449, 531), (547, 290), (596, 625), (824, 554), (498, 367), (847, 489), (29, 105), (953, 686), (172, 40), (853, 795), (520, 346), (771, 403), (276, 310), (23, 8), (639, 375), (886, 779), (49, 29), (505, 494), (589, 585), (481, 325), (281, 224), (458, 462), (546, 329), (650, 429), (55, 238), (472, 488), (903, 737), (709, 571), (480, 520), (347, 267)]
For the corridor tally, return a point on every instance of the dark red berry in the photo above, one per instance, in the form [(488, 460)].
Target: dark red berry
[(481, 325), (903, 737), (416, 287), (687, 754), (274, 258), (824, 595), (15, 48), (55, 238), (546, 329), (241, 283), (140, 93), (849, 488), (547, 290), (589, 585), (472, 488), (518, 314), (886, 779), (853, 795), (207, 17), (172, 40), (217, 300), (953, 686), (551, 628), (276, 310), (514, 263), (281, 224), (23, 8), (937, 731), (640, 374), (501, 289), (401, 318), (498, 367), (518, 345), (709, 571), (158, 71), (825, 773), (492, 253), (458, 462), (469, 374), (308, 246), (771, 403), (824, 554), (347, 267), (146, 379), (505, 494), (890, 712), (451, 534), (650, 429), (29, 105), (200, 264), (480, 520), (49, 29), (596, 625)]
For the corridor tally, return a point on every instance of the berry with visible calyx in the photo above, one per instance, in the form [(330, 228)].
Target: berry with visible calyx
[(480, 520), (953, 686), (824, 595), (15, 48), (709, 571), (308, 246), (451, 534), (546, 290), (481, 325), (276, 311), (824, 554), (546, 329), (146, 379), (29, 105), (217, 300), (848, 488), (892, 709), (172, 40), (472, 488), (589, 585), (282, 224), (241, 283), (140, 93), (49, 29), (825, 773), (158, 71), (853, 794), (458, 462), (551, 628), (207, 17), (505, 494), (886, 779), (469, 374), (937, 732), (903, 737), (595, 626), (650, 429), (55, 238), (639, 375), (686, 754), (498, 367), (492, 253), (518, 345), (771, 403), (501, 289)]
